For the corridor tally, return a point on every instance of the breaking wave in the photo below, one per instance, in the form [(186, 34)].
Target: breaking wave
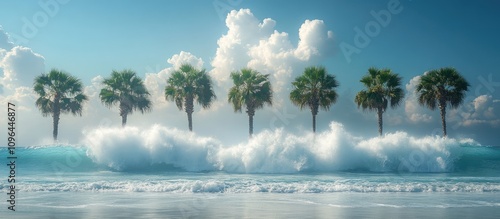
[(160, 149), (129, 149), (261, 186)]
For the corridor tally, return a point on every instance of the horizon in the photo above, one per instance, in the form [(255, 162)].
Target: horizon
[(414, 38)]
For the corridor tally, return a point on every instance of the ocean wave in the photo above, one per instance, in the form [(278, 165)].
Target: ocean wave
[(128, 149), (252, 186), (160, 149)]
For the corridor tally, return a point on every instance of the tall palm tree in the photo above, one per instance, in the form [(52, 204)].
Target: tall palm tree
[(441, 88), (314, 89), (59, 92), (383, 87), (251, 89), (188, 84), (128, 91)]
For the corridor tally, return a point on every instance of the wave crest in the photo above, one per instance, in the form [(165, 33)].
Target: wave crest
[(274, 151)]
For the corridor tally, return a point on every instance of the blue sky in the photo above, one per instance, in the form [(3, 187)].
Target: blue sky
[(91, 38)]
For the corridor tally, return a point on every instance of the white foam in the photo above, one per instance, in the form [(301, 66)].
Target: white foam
[(272, 151), (258, 186)]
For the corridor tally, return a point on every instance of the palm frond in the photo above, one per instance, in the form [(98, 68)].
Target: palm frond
[(251, 89), (59, 88), (125, 89), (442, 86), (190, 82), (383, 88), (315, 88)]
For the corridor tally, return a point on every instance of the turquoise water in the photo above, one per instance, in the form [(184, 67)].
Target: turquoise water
[(274, 175)]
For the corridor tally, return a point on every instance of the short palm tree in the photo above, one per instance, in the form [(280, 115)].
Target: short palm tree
[(382, 88), (314, 89), (187, 85), (128, 91), (252, 90), (441, 88), (59, 92)]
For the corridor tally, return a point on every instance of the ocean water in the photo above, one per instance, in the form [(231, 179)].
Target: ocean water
[(168, 173)]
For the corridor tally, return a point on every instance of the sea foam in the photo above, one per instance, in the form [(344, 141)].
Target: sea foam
[(272, 151)]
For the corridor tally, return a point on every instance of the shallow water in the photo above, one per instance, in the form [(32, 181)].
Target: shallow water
[(257, 205)]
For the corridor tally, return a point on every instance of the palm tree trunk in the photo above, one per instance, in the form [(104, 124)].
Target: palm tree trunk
[(190, 121), (124, 119), (251, 113), (380, 122), (189, 110), (314, 111), (314, 123), (55, 117), (55, 125), (442, 108), (250, 125), (123, 113)]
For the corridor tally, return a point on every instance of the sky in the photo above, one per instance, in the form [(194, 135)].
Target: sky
[(91, 38)]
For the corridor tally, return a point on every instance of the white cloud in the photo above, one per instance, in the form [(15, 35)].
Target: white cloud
[(315, 39), (4, 40), (156, 82), (255, 44), (22, 97), (3, 52), (156, 85), (92, 91), (244, 31), (482, 110), (414, 111), (20, 65), (185, 58)]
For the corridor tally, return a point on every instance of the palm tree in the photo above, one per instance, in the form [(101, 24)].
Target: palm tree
[(383, 87), (128, 91), (59, 92), (314, 89), (251, 89), (189, 84), (441, 88)]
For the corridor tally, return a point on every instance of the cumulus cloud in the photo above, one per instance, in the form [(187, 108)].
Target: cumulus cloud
[(256, 44), (20, 65), (414, 112), (312, 40), (185, 58), (156, 85), (244, 31), (156, 82), (94, 105), (482, 110), (4, 40), (252, 43)]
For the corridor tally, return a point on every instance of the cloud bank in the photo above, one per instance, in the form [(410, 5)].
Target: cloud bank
[(252, 43)]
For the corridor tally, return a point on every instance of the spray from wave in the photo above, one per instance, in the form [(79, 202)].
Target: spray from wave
[(276, 151)]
